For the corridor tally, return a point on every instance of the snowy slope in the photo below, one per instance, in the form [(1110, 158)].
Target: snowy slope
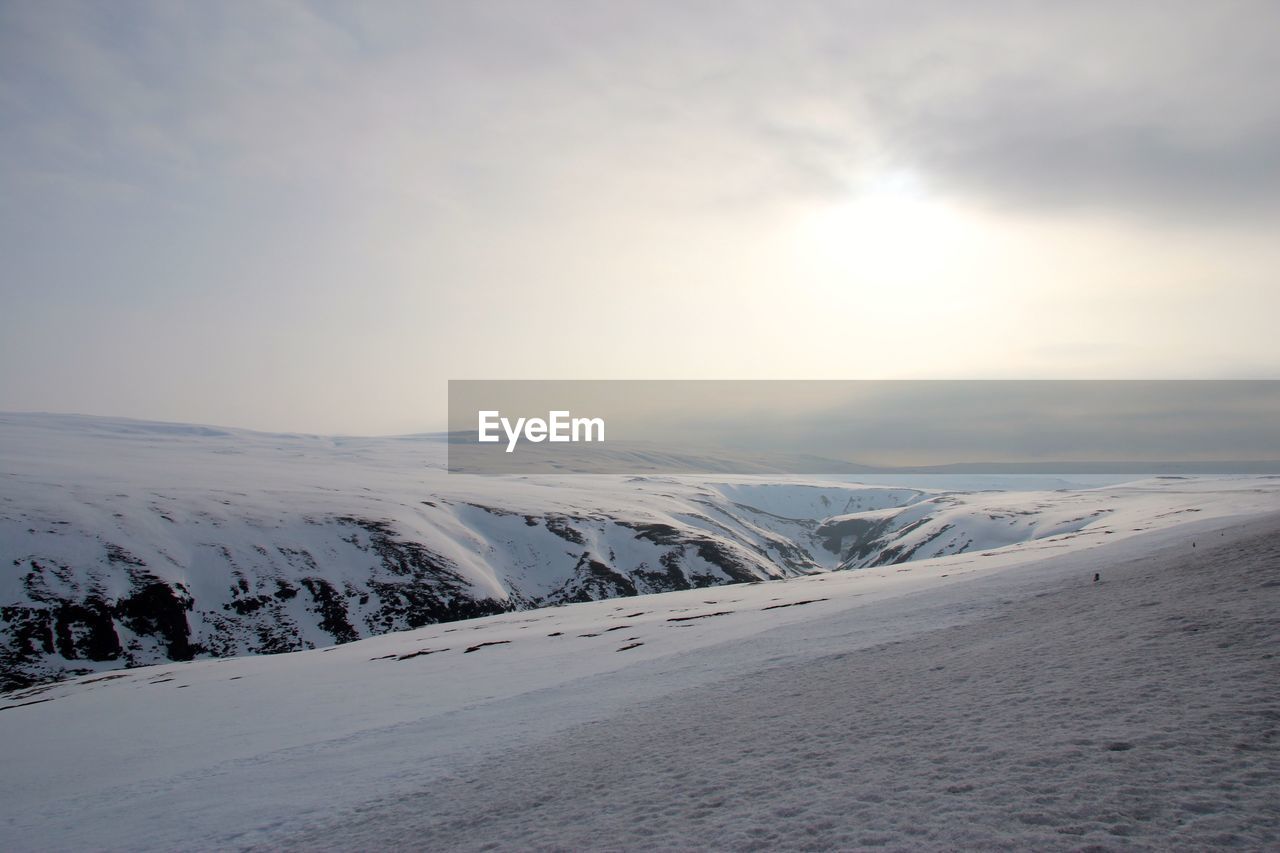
[(965, 700), (128, 543)]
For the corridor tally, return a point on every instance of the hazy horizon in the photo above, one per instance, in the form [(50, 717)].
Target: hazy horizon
[(308, 216)]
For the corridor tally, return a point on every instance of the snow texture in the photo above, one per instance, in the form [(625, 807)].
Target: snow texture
[(1007, 701)]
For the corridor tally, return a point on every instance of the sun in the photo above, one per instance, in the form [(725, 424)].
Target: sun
[(890, 233)]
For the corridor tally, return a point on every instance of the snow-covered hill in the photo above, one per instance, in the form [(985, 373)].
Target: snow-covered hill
[(127, 543), (965, 701)]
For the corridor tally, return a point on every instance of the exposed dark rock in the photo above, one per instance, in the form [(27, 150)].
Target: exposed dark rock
[(660, 534), (794, 603), (157, 610), (29, 639), (418, 654), (671, 578), (699, 616), (592, 580), (86, 631), (480, 646), (714, 551), (332, 609), (559, 525), (720, 556)]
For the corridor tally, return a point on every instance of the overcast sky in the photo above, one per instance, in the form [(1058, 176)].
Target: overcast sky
[(308, 216)]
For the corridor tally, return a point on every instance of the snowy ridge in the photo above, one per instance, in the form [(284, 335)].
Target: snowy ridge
[(128, 543), (803, 713)]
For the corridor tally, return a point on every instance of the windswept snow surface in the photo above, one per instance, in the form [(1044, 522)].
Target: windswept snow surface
[(967, 700), (838, 665)]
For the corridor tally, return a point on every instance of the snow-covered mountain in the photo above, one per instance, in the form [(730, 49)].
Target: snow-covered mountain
[(968, 701), (129, 543)]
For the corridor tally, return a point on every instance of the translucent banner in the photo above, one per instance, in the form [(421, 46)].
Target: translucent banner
[(1140, 427)]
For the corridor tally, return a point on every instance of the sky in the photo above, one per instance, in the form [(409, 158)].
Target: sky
[(309, 216)]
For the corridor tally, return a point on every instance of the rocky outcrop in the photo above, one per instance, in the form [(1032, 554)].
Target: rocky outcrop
[(322, 580)]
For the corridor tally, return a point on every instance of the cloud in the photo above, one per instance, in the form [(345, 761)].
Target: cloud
[(1146, 108), (1143, 107), (377, 182)]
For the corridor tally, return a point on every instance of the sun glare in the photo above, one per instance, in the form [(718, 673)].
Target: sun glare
[(891, 233)]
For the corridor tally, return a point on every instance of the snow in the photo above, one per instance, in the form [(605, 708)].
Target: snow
[(1063, 714), (264, 535), (985, 693), (818, 724)]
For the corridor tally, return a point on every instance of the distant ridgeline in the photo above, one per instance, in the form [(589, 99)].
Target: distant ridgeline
[(132, 543), (129, 543), (123, 581)]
